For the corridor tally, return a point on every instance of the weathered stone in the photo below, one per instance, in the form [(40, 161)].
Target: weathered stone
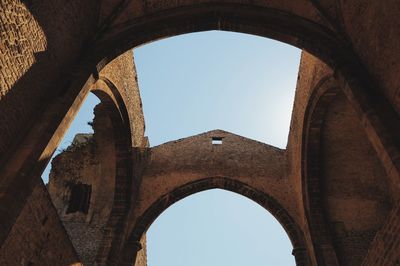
[(335, 188)]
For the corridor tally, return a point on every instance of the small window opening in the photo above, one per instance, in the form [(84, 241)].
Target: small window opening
[(216, 140), (79, 200)]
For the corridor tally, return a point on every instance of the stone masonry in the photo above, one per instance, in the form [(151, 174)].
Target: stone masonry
[(335, 188)]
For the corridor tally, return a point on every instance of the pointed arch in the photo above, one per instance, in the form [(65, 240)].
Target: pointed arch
[(269, 203)]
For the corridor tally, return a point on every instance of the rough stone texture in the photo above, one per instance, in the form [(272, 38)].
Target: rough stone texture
[(195, 158), (386, 242), (311, 71), (129, 92), (52, 53), (141, 259), (357, 202), (374, 31), (87, 162), (31, 52), (177, 169), (349, 196), (38, 234)]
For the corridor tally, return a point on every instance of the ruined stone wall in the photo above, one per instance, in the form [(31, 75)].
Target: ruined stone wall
[(42, 42), (89, 163), (355, 195), (38, 237), (77, 22)]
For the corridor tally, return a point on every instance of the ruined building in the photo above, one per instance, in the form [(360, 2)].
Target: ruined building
[(82, 184), (335, 188)]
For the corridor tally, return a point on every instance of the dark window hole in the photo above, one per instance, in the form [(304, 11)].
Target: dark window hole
[(79, 200)]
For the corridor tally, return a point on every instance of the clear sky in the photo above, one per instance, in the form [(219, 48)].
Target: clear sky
[(78, 125), (203, 81), (217, 80), (217, 228)]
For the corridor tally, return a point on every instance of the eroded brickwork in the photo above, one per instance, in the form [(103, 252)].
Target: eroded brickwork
[(53, 52), (81, 184), (31, 51), (21, 38)]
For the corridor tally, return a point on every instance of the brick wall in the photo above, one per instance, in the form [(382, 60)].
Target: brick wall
[(385, 248), (40, 41), (90, 163), (38, 237)]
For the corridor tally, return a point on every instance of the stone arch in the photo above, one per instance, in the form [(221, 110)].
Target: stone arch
[(107, 92), (290, 27), (115, 107), (304, 25), (332, 245), (269, 203), (106, 154), (322, 95), (297, 24)]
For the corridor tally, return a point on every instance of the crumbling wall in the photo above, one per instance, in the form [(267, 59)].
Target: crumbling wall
[(81, 184), (43, 41), (86, 170)]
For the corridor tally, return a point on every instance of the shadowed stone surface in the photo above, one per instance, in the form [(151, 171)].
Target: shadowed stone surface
[(343, 147)]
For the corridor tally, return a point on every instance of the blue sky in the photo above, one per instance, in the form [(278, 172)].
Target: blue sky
[(217, 80), (217, 228), (203, 81)]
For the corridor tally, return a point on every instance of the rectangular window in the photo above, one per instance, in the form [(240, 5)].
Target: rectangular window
[(216, 140), (79, 199)]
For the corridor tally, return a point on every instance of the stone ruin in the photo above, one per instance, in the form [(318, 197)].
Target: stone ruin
[(334, 188)]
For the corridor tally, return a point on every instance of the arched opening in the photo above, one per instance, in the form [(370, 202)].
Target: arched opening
[(235, 82), (348, 194), (156, 22), (142, 223), (90, 172), (281, 23), (202, 81), (78, 172), (217, 227)]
